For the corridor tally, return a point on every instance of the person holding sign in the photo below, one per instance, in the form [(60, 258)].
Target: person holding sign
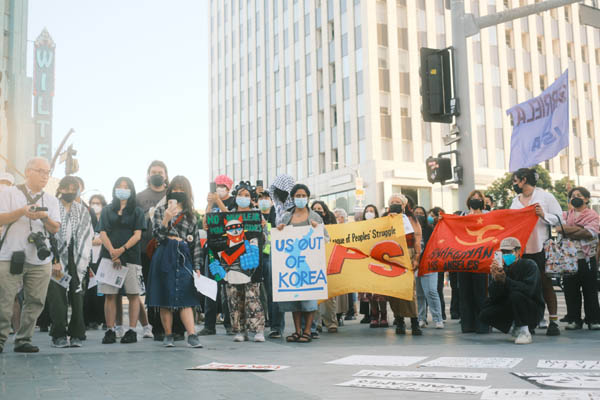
[(300, 215), (178, 256)]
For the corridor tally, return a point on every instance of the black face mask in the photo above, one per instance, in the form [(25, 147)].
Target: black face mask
[(422, 220), (179, 196), (517, 189), (396, 209), (488, 207), (281, 195), (68, 197), (576, 202), (157, 180), (476, 204)]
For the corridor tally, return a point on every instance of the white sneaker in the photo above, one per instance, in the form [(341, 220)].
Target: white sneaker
[(543, 324), (439, 325), (259, 337), (119, 331), (594, 327), (422, 324), (148, 332), (523, 338), (239, 337)]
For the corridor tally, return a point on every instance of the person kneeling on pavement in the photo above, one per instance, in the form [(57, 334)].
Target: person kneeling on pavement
[(515, 293)]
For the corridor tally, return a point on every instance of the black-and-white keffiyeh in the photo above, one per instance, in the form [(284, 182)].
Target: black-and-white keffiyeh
[(76, 226), (286, 183)]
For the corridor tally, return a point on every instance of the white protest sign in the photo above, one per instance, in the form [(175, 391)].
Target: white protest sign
[(569, 364), (299, 269), (526, 394), (414, 386), (562, 380), (215, 366), (367, 373), (206, 286), (473, 362), (378, 361), (63, 279), (109, 275), (93, 280)]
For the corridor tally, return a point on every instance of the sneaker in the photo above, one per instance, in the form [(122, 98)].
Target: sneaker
[(169, 341), (207, 332), (119, 331), (240, 337), (26, 348), (60, 342), (422, 324), (523, 338), (572, 326), (194, 342), (110, 337), (275, 335), (76, 342), (594, 327), (148, 332), (553, 329), (259, 337), (129, 337), (439, 325), (543, 324)]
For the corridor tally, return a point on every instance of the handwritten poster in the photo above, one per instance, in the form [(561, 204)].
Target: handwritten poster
[(378, 361), (473, 362), (414, 386)]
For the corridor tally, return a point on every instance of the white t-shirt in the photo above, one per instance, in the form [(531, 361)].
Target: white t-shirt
[(12, 199)]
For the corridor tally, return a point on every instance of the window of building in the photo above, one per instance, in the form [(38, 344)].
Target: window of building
[(382, 35), (540, 45), (508, 35), (385, 122), (384, 80)]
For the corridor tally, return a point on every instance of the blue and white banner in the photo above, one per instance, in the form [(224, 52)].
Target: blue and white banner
[(540, 126)]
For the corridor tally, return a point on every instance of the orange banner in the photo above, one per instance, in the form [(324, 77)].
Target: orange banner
[(467, 243)]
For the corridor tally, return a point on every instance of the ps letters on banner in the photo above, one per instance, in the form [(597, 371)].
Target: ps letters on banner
[(467, 243), (298, 263), (370, 256), (232, 237)]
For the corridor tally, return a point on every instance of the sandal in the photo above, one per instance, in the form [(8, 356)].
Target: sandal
[(305, 338), (294, 337)]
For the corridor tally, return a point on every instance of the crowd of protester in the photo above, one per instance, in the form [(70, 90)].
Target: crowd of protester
[(162, 237)]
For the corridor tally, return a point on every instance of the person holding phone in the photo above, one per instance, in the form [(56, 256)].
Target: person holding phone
[(220, 199), (177, 259), (515, 293)]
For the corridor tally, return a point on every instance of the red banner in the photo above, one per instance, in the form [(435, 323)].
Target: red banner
[(467, 243)]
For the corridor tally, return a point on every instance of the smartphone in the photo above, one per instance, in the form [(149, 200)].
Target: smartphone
[(498, 258), (259, 183), (172, 203), (213, 187)]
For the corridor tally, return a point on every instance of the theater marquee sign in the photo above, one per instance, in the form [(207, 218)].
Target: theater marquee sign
[(43, 93)]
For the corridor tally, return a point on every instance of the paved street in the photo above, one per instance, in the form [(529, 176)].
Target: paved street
[(146, 370)]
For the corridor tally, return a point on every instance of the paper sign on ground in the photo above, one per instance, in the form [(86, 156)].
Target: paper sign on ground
[(562, 380), (299, 269), (111, 276), (473, 362), (215, 366), (526, 394), (206, 286), (367, 373), (413, 386), (378, 361), (63, 279), (569, 364)]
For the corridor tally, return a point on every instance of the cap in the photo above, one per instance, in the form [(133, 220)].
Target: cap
[(224, 180), (510, 243), (6, 176)]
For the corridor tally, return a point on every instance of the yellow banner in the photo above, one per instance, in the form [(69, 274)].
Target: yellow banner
[(371, 257)]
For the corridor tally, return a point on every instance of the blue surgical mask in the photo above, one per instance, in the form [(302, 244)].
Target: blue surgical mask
[(242, 202), (122, 194), (430, 220), (264, 205), (509, 258), (300, 202)]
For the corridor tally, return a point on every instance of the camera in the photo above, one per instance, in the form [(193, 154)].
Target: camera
[(38, 209), (39, 240)]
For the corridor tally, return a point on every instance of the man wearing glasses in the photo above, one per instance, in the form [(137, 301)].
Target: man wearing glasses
[(28, 216)]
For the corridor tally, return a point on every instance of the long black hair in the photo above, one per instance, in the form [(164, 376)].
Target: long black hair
[(180, 182), (529, 173), (131, 203), (329, 217), (373, 207)]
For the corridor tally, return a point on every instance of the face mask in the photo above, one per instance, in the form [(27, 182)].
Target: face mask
[(96, 208), (488, 207), (300, 202), (476, 204), (576, 202), (242, 202), (517, 189), (369, 215), (122, 194), (157, 180), (264, 205), (68, 197), (281, 195), (509, 258), (179, 196), (430, 220), (222, 192)]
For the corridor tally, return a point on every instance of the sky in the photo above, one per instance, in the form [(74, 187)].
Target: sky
[(132, 80)]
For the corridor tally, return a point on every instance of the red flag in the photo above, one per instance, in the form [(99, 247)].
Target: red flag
[(467, 243)]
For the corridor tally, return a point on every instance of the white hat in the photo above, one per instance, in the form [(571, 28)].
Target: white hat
[(6, 176)]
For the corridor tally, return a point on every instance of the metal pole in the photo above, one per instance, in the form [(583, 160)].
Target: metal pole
[(463, 121)]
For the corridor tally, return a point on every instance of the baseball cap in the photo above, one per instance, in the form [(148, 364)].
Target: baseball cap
[(510, 243)]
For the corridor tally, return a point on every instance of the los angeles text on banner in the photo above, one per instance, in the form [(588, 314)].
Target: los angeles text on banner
[(369, 256), (298, 263), (467, 243)]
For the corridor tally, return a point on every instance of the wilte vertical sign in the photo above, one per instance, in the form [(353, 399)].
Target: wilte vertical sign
[(43, 93)]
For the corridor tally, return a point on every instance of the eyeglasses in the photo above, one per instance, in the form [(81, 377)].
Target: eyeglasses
[(43, 172)]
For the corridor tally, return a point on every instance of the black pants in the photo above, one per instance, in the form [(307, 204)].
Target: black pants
[(454, 300), (472, 290), (440, 290), (516, 307), (583, 281), (212, 308), (58, 300), (93, 305)]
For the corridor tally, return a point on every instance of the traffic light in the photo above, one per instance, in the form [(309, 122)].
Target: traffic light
[(71, 163), (437, 85), (439, 169)]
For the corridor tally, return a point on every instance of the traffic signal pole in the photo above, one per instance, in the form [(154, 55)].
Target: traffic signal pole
[(463, 26)]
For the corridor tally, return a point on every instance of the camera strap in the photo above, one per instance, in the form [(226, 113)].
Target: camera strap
[(31, 201)]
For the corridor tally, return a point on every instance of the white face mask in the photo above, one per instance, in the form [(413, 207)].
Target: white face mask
[(96, 208), (222, 192), (369, 215)]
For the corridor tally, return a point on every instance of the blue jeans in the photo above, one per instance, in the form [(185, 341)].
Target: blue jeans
[(427, 295), (276, 317)]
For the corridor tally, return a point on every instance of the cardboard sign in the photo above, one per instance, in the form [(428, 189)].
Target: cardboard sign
[(569, 364), (473, 362), (562, 380), (366, 373), (215, 366), (414, 386), (526, 394), (298, 263), (378, 361)]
